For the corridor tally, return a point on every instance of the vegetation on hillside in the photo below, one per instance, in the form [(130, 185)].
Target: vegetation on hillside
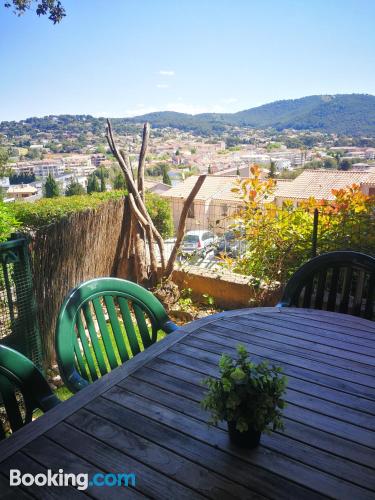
[(345, 114), (348, 114)]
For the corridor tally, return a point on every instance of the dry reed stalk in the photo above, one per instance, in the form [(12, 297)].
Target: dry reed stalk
[(82, 246)]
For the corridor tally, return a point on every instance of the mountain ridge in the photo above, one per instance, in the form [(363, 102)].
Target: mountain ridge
[(342, 114), (348, 114)]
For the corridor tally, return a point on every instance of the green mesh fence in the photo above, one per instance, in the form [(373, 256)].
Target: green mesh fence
[(18, 323)]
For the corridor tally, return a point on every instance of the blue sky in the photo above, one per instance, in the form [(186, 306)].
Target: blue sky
[(126, 57)]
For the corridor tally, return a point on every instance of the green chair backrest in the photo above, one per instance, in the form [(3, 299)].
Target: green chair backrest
[(102, 323), (336, 281), (23, 389)]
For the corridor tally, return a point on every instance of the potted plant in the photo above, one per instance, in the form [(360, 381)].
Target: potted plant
[(248, 396)]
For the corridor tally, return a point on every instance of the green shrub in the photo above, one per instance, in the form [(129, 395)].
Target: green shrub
[(160, 213), (8, 221), (49, 210)]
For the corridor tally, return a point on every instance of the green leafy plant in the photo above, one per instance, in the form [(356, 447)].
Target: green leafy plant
[(279, 239), (208, 299), (249, 394), (8, 222), (161, 214), (50, 210), (185, 301)]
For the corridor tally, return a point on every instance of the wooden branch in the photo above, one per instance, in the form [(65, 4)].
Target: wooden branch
[(181, 226), (141, 163), (124, 165), (131, 168), (134, 207), (153, 261)]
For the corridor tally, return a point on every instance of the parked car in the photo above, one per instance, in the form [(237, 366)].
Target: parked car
[(199, 242), (230, 244)]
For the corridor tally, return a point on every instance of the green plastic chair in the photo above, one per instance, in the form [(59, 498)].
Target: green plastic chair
[(336, 281), (97, 328), (19, 375)]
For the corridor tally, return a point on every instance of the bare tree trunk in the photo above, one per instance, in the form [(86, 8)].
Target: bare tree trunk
[(142, 232), (141, 163)]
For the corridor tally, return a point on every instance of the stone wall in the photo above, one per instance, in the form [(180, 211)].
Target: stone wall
[(230, 291)]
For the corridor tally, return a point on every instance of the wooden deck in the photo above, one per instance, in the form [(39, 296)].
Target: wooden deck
[(145, 417)]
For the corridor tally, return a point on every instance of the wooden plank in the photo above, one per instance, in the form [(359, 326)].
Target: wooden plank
[(9, 493), (320, 459), (302, 432), (340, 427), (149, 482), (199, 451), (287, 332), (291, 371), (189, 362), (336, 357), (307, 363), (53, 456), (318, 481), (326, 393), (221, 334), (325, 407), (26, 465), (297, 324), (207, 483), (346, 323), (187, 389)]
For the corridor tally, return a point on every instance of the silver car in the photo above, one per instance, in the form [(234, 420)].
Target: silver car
[(199, 242)]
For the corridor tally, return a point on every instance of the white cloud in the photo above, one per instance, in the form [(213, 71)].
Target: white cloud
[(167, 72), (142, 110), (162, 85), (229, 100), (193, 109)]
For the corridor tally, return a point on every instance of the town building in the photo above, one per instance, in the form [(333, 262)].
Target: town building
[(320, 183), (21, 191), (214, 206)]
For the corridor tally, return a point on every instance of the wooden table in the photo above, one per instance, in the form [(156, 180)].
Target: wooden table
[(145, 417)]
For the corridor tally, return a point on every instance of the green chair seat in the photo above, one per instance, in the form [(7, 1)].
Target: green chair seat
[(102, 323), (341, 281), (20, 377)]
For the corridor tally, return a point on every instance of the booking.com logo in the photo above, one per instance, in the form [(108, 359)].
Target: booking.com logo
[(80, 481)]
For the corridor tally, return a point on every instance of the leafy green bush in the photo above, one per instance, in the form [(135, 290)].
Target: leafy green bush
[(160, 213), (49, 210), (248, 394), (279, 240), (8, 222)]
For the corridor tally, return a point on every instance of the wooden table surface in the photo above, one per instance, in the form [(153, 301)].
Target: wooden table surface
[(145, 417)]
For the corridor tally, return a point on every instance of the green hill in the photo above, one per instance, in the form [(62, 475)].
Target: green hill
[(344, 114), (348, 114)]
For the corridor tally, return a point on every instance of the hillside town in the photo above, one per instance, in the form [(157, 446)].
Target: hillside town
[(174, 155)]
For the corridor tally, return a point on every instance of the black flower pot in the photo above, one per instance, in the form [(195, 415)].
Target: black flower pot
[(247, 439)]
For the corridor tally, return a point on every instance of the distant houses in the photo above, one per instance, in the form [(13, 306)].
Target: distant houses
[(213, 206), (216, 204), (319, 184)]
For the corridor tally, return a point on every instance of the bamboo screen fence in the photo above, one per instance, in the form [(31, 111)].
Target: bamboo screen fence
[(82, 246)]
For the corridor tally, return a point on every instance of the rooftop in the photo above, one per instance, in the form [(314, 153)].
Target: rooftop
[(213, 187), (319, 183)]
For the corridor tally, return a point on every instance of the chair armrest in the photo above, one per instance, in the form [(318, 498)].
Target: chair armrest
[(170, 327)]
